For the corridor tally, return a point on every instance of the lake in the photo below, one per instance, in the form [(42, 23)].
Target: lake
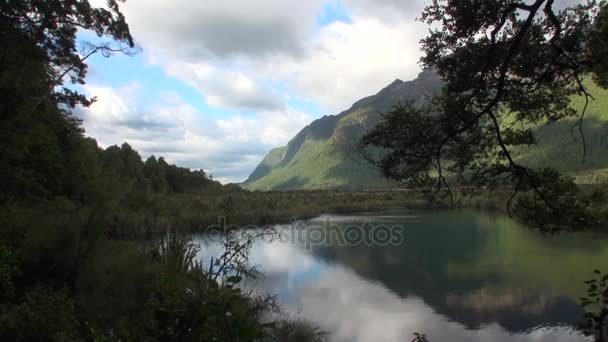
[(453, 275)]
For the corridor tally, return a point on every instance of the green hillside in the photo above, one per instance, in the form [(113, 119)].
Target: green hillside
[(558, 148), (320, 156)]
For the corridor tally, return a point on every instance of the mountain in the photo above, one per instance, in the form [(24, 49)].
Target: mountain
[(320, 155), (560, 143)]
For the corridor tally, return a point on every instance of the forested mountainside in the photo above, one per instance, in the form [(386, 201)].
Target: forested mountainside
[(322, 156)]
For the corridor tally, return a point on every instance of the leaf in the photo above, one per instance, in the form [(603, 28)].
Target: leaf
[(234, 279)]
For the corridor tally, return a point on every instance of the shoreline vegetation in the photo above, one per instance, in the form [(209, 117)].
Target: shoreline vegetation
[(74, 266), (195, 212), (67, 273)]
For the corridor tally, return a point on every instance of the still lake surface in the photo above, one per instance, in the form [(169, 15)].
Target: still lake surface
[(455, 276)]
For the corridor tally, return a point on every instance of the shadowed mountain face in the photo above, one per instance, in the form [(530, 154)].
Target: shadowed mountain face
[(321, 156), (318, 156)]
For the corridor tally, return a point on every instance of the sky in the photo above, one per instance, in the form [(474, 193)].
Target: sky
[(218, 84)]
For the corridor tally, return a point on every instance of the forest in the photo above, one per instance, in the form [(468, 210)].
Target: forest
[(72, 262)]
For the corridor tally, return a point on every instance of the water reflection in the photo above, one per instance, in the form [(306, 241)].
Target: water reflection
[(458, 276)]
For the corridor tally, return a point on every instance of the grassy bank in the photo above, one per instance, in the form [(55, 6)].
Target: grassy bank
[(196, 212)]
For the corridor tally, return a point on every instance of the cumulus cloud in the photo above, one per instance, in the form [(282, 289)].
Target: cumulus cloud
[(386, 10), (231, 52), (195, 30), (253, 57), (227, 88), (356, 60), (229, 147)]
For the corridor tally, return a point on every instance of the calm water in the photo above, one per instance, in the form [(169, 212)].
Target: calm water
[(456, 276)]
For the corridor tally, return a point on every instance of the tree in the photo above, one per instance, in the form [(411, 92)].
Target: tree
[(508, 66), (46, 30), (44, 159), (40, 139), (598, 48)]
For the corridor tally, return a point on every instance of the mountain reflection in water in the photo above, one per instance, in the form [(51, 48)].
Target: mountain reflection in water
[(457, 276)]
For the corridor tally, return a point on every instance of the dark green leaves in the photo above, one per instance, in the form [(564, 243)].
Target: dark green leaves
[(234, 279), (595, 320), (50, 27), (508, 67)]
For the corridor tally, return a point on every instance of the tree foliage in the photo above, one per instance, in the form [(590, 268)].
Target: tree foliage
[(508, 67), (63, 274), (42, 150), (46, 31), (595, 303)]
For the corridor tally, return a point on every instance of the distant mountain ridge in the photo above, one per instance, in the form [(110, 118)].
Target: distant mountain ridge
[(318, 157)]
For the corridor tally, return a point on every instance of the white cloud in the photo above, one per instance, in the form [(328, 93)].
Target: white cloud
[(195, 30), (357, 60), (226, 88), (229, 148), (252, 56), (386, 10), (269, 128), (112, 111), (231, 52)]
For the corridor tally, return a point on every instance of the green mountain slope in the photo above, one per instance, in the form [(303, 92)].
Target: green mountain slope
[(319, 156), (561, 147)]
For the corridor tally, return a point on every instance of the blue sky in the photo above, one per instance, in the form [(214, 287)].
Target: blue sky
[(332, 12), (219, 84)]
